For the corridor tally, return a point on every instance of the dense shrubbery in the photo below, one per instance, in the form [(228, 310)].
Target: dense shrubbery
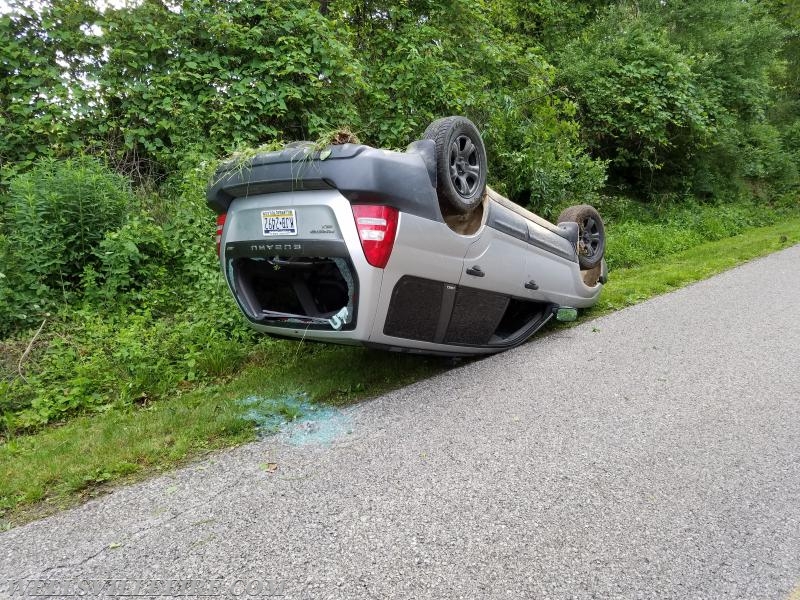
[(684, 96), (638, 97), (142, 310), (217, 75), (54, 218), (676, 96), (669, 101)]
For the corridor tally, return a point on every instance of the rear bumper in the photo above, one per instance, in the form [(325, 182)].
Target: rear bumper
[(364, 175)]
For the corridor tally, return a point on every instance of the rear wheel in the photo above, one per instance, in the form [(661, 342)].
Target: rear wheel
[(591, 234), (460, 163)]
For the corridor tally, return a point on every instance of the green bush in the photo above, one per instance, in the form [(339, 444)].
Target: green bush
[(151, 315), (537, 158), (55, 217), (639, 234), (638, 98), (133, 263)]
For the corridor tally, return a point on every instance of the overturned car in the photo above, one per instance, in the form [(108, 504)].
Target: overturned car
[(405, 251)]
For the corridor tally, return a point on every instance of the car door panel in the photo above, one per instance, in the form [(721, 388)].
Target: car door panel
[(496, 262)]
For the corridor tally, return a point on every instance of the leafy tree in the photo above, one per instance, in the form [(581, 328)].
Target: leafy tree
[(49, 57), (735, 49), (416, 66), (639, 100), (676, 95), (549, 24), (429, 59), (785, 112), (217, 74)]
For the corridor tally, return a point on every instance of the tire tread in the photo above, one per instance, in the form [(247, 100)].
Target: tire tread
[(438, 131)]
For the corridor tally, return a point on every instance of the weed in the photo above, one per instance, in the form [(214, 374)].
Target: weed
[(303, 155), (638, 233), (241, 159)]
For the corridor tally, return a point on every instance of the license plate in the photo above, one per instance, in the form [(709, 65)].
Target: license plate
[(279, 222)]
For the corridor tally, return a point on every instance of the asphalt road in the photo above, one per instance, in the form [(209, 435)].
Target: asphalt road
[(652, 453)]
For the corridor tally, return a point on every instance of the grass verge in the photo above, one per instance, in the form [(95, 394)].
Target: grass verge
[(632, 285), (59, 466)]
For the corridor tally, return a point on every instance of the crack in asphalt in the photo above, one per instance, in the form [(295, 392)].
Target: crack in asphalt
[(134, 535)]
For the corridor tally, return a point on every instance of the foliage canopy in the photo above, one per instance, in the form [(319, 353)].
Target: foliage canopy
[(677, 96)]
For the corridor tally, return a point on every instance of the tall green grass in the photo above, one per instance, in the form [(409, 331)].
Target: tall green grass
[(639, 234)]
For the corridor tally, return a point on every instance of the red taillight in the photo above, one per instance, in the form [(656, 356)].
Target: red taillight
[(220, 226), (376, 226)]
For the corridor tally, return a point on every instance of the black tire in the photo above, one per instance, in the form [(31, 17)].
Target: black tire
[(591, 234), (460, 163)]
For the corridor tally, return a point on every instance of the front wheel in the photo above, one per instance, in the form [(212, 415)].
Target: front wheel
[(591, 234)]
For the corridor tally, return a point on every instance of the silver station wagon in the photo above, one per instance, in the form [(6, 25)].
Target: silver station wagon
[(404, 251)]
